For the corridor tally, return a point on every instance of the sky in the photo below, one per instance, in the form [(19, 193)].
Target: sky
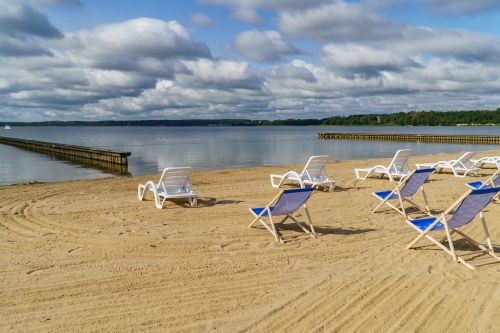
[(252, 59)]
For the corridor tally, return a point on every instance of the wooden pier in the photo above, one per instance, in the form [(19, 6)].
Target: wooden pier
[(477, 139), (70, 152)]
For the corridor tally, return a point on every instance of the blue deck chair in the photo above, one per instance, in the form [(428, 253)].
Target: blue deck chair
[(408, 186), (493, 181), (284, 204), (468, 206)]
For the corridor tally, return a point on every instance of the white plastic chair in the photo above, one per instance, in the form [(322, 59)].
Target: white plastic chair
[(174, 183), (313, 175), (460, 167), (495, 160), (397, 168)]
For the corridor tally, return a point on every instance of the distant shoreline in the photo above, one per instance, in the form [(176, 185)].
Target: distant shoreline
[(414, 118)]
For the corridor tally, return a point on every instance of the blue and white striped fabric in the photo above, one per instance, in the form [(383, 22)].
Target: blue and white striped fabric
[(466, 211), (411, 186), (416, 180), (289, 201), (479, 184)]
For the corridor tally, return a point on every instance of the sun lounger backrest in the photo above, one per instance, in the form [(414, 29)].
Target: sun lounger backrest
[(175, 180), (471, 206), (399, 163), (291, 200), (415, 181), (315, 168), (465, 158)]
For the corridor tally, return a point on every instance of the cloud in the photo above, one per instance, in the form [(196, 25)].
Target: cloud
[(104, 63), (200, 19), (461, 7), (461, 44), (21, 18), (246, 10), (21, 47), (340, 21), (141, 37), (148, 68), (59, 2), (352, 58), (293, 71), (220, 74), (263, 46)]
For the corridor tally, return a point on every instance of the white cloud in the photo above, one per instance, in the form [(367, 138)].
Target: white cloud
[(141, 37), (461, 7), (149, 68), (200, 19), (22, 18), (339, 21), (263, 46), (363, 59), (246, 10)]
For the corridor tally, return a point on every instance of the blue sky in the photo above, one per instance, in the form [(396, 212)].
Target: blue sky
[(258, 59)]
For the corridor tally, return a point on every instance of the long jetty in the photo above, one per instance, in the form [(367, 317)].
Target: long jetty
[(478, 139), (71, 152)]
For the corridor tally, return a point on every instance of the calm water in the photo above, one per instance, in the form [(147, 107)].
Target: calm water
[(154, 148)]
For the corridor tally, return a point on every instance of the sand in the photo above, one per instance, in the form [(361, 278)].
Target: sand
[(87, 256)]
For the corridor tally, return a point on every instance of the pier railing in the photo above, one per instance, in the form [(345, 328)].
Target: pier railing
[(478, 139), (69, 151)]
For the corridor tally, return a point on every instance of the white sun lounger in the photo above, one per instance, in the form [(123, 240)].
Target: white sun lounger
[(313, 175), (460, 168), (397, 168), (495, 160), (174, 184)]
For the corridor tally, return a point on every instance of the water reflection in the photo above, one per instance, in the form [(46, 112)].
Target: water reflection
[(154, 148)]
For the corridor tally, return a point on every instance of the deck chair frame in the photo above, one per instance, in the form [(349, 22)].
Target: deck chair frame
[(270, 224), (177, 178), (448, 234), (306, 178), (400, 208), (458, 167), (397, 168), (488, 182)]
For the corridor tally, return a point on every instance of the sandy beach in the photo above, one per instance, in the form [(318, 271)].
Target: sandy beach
[(87, 256)]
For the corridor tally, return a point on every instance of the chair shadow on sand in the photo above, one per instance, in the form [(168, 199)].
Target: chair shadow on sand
[(462, 245), (210, 202), (320, 231), (202, 202)]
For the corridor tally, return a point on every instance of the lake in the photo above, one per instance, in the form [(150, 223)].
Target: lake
[(154, 148)]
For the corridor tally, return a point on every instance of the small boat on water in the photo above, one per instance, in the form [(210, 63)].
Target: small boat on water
[(7, 127)]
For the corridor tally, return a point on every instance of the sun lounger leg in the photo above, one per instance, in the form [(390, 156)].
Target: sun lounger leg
[(140, 192)]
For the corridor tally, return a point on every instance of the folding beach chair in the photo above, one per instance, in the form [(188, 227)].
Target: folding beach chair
[(460, 168), (406, 189), (397, 168), (174, 183), (493, 181), (313, 175), (284, 204), (469, 205), (495, 160)]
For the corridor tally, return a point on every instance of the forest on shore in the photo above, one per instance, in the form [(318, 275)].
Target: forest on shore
[(413, 118)]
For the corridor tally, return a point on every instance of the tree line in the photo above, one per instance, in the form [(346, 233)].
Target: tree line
[(413, 118)]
